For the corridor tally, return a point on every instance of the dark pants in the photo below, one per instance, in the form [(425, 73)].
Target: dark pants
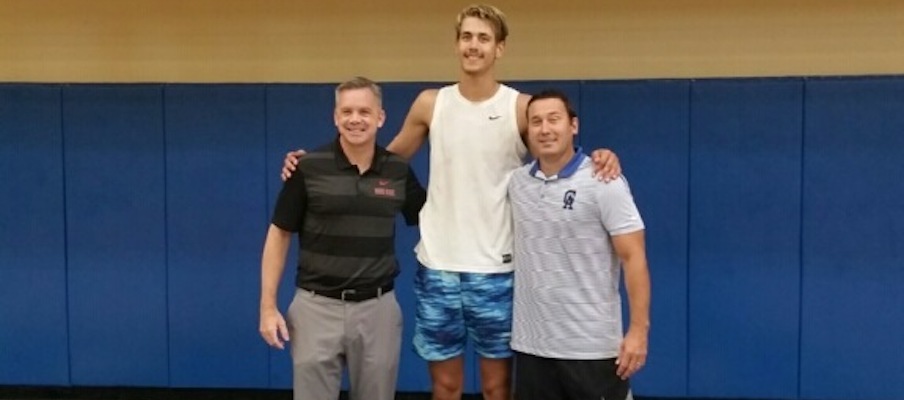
[(540, 378)]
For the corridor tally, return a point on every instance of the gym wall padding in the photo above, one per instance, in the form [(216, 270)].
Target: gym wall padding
[(34, 349), (115, 234), (216, 221), (133, 218), (852, 322), (570, 88), (744, 238), (647, 124)]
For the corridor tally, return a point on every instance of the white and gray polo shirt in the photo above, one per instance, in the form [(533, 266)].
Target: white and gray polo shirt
[(567, 304)]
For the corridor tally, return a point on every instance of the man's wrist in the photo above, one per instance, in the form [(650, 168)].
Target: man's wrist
[(640, 326)]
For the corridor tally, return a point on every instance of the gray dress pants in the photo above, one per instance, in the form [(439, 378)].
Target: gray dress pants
[(326, 334)]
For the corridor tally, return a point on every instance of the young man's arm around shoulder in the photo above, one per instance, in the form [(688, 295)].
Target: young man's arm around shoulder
[(521, 111), (416, 126)]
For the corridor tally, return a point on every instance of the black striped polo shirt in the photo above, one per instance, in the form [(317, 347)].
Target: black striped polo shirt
[(346, 220)]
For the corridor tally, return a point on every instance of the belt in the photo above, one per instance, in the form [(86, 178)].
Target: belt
[(354, 295)]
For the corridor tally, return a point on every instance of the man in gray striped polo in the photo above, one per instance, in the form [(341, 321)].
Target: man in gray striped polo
[(342, 201), (572, 234)]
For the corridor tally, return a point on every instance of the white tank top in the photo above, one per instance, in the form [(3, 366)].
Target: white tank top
[(466, 224)]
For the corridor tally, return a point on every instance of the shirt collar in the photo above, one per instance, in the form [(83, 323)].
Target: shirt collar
[(342, 162), (567, 171)]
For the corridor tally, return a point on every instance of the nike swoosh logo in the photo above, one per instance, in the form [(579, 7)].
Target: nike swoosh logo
[(495, 117)]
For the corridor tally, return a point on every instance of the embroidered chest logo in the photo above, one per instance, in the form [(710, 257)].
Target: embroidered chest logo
[(568, 200), (382, 190)]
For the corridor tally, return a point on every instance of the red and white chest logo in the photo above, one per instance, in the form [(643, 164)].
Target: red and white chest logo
[(382, 190)]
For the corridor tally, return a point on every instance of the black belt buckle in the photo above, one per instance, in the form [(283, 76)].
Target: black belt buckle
[(347, 292), (354, 295), (357, 295)]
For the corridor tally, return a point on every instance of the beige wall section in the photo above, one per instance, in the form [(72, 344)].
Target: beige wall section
[(412, 40)]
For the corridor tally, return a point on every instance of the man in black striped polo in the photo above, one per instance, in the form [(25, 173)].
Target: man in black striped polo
[(342, 201)]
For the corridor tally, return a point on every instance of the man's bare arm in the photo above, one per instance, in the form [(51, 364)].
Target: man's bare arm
[(416, 126), (272, 324), (521, 112), (631, 251)]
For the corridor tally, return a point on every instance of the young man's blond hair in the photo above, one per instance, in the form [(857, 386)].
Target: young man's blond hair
[(488, 13)]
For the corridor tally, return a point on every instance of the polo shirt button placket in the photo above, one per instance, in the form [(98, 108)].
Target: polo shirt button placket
[(542, 198), (359, 186)]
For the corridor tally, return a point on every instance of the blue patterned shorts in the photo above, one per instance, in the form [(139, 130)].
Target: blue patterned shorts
[(455, 306)]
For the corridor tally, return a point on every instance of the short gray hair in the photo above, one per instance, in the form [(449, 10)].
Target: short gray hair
[(360, 82)]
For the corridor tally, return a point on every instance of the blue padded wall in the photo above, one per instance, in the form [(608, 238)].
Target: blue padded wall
[(116, 235), (571, 89), (133, 219), (216, 221), (647, 123), (853, 231), (744, 243), (33, 318), (298, 117)]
